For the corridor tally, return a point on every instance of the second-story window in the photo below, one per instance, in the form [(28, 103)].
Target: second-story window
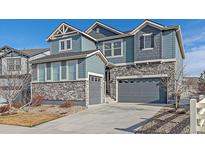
[(14, 64), (65, 44), (113, 48), (147, 41)]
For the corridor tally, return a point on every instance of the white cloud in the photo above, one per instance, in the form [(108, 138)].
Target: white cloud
[(195, 38), (195, 61)]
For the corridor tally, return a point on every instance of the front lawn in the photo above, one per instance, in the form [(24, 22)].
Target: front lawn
[(28, 119), (38, 114)]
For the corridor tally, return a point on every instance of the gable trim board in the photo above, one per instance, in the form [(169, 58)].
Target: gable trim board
[(71, 27), (104, 26)]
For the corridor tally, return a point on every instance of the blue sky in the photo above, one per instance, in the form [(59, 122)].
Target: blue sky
[(25, 34)]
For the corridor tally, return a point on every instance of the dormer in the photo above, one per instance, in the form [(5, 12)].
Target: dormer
[(66, 38)]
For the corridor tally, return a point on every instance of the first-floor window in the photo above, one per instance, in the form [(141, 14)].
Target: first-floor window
[(56, 71), (14, 64), (72, 70), (34, 72), (42, 72), (48, 71), (113, 48), (63, 70)]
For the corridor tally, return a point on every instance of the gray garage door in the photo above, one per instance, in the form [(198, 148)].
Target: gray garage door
[(142, 91), (94, 90)]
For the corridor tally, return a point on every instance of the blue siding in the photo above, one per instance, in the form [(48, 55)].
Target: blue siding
[(179, 63), (154, 53), (169, 44), (103, 32), (81, 68), (76, 44), (128, 51), (95, 65), (87, 44)]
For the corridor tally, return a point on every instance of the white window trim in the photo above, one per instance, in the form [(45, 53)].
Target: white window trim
[(112, 48), (144, 35), (65, 44), (17, 57)]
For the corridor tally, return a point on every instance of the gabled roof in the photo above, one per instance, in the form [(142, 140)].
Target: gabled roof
[(34, 52), (162, 27), (70, 56), (8, 49), (147, 22), (97, 23), (66, 29)]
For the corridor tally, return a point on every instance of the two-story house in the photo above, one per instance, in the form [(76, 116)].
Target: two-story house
[(127, 66), (13, 65)]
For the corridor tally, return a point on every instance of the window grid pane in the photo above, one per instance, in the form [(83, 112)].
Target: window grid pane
[(63, 70), (71, 70), (62, 45), (41, 72), (68, 44), (147, 41), (14, 64), (56, 71), (34, 72), (48, 75)]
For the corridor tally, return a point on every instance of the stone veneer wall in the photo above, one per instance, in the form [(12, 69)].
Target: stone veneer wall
[(67, 90), (143, 69)]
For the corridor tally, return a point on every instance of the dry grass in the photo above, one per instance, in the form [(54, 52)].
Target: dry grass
[(28, 119)]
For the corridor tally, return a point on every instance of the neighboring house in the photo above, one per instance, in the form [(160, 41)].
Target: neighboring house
[(129, 66), (15, 63)]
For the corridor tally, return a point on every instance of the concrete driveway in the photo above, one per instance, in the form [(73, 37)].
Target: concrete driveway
[(100, 119)]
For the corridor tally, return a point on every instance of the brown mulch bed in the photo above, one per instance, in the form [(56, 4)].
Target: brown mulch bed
[(167, 121)]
